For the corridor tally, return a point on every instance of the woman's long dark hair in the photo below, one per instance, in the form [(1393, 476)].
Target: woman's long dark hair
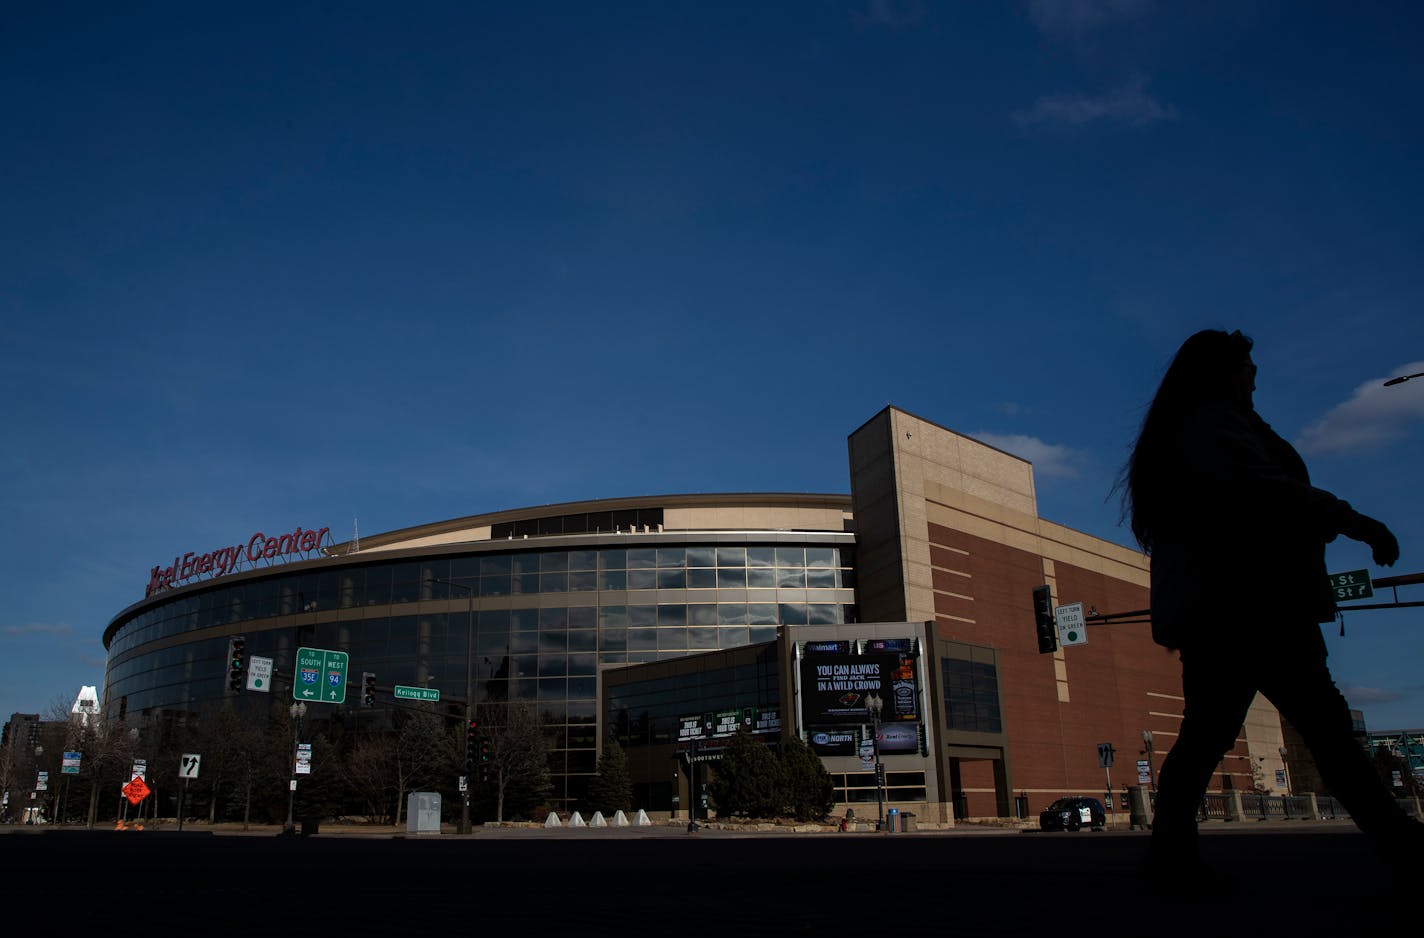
[(1203, 369)]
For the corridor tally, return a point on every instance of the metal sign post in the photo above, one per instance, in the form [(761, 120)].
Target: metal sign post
[(1105, 759)]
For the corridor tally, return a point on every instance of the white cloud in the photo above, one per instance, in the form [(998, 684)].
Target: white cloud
[(38, 628), (1049, 459), (1373, 415), (1075, 17), (1128, 104), (1360, 696)]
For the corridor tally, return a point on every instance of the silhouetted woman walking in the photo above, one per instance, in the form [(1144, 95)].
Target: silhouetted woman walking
[(1237, 537)]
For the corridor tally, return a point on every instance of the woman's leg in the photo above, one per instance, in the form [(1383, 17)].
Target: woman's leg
[(1303, 691), (1216, 694)]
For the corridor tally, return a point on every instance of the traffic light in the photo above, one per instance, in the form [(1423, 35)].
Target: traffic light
[(485, 753), (1044, 623), (472, 745), (236, 662), (368, 689)]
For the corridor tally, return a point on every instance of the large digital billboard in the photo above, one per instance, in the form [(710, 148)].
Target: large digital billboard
[(836, 680)]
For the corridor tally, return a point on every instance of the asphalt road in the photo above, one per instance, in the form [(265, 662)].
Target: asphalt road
[(1307, 879)]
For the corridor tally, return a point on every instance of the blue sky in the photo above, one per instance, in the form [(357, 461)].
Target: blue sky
[(264, 266)]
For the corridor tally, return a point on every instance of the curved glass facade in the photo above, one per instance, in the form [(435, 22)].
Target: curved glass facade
[(514, 619)]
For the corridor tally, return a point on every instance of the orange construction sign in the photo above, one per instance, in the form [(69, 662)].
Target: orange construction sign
[(135, 791)]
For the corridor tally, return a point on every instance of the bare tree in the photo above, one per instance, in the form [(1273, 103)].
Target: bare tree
[(520, 761)]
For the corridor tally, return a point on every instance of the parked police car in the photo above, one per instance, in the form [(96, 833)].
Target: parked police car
[(1071, 814)]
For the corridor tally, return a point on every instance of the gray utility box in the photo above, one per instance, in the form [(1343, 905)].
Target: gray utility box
[(422, 812)]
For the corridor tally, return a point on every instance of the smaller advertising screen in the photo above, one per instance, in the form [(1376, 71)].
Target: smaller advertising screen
[(833, 742)]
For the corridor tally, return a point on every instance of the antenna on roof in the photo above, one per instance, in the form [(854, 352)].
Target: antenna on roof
[(355, 536)]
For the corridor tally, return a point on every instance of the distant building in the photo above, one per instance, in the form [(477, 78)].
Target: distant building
[(937, 550)]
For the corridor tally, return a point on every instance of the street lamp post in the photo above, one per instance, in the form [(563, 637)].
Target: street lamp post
[(873, 707), (297, 711), (469, 694), (1402, 378)]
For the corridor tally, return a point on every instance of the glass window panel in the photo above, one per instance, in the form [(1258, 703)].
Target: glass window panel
[(672, 579), (494, 585), (671, 556), (613, 640), (612, 580), (763, 633), (731, 578), (642, 616), (702, 579), (701, 637), (821, 577), (525, 563), (554, 561), (822, 614), (761, 556), (642, 579), (612, 617), (732, 638), (582, 736), (552, 688), (523, 665), (791, 557), (616, 559), (559, 582), (521, 583), (523, 643), (790, 578), (524, 618), (464, 568), (584, 581), (793, 613), (761, 578), (583, 617), (378, 585), (642, 557), (582, 639), (553, 641), (612, 657), (552, 665), (494, 566), (701, 557), (583, 560), (820, 556), (762, 614), (582, 664), (491, 643), (493, 620), (672, 615), (731, 614), (642, 639), (672, 639), (731, 556), (702, 614)]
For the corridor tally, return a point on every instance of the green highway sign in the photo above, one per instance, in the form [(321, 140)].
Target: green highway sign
[(402, 692), (321, 675), (1354, 584)]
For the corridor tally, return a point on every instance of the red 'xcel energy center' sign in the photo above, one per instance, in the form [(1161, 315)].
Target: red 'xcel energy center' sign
[(227, 559)]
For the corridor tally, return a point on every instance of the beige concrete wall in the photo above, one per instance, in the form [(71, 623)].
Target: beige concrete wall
[(925, 463), (756, 518), (478, 533), (1264, 741)]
